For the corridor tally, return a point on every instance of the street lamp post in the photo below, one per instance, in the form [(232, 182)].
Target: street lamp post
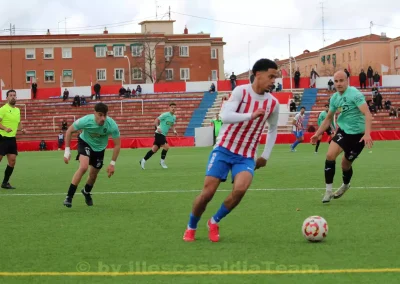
[(129, 65)]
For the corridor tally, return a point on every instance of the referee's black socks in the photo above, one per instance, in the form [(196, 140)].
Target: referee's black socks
[(7, 174)]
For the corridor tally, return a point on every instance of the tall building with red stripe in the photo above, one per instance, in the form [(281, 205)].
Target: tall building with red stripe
[(243, 138)]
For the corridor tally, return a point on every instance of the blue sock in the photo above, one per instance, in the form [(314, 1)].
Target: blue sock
[(193, 220), (221, 213), (295, 144)]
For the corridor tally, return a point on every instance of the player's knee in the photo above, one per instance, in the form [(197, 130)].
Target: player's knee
[(166, 147), (154, 149), (12, 162), (346, 164), (83, 168)]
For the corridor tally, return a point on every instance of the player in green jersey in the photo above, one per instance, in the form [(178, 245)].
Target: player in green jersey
[(92, 142), (216, 123), (353, 133), (331, 129), (162, 124)]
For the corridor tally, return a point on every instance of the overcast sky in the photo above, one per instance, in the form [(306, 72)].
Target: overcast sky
[(265, 24)]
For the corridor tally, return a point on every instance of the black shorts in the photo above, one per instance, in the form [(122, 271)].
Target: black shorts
[(350, 143), (95, 158), (329, 131), (8, 145), (159, 140)]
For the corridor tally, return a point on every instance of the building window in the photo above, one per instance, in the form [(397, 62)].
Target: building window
[(184, 51), (169, 74), (396, 54), (118, 51), (49, 76), (119, 74), (349, 55), (213, 53), (137, 74), (355, 55), (101, 74), (48, 53), (30, 53), (168, 52), (101, 51), (137, 50), (67, 52), (67, 75), (343, 58), (185, 74), (30, 75), (214, 75)]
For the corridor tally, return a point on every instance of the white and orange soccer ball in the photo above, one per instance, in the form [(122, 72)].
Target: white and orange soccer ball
[(315, 228)]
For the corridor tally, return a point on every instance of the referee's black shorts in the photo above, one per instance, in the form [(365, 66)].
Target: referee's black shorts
[(8, 145)]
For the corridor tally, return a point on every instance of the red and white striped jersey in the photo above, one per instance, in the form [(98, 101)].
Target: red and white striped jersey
[(299, 122), (239, 133)]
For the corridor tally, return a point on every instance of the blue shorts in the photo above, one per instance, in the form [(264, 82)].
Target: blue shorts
[(298, 134), (221, 161)]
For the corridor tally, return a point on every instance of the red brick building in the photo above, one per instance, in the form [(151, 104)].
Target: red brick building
[(154, 55)]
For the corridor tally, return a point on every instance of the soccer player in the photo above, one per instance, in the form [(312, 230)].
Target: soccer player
[(244, 116), (10, 122), (330, 131), (353, 133), (216, 123), (162, 124), (92, 142), (298, 128)]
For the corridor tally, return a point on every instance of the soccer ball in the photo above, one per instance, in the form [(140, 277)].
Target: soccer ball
[(315, 228)]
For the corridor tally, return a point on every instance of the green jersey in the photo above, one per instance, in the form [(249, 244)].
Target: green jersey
[(217, 125), (351, 120), (322, 117), (96, 135), (167, 120)]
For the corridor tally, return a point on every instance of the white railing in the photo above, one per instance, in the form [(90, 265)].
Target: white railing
[(54, 117), (24, 108)]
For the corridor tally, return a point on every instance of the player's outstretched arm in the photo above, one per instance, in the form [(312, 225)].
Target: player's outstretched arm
[(117, 149), (271, 138), (68, 134)]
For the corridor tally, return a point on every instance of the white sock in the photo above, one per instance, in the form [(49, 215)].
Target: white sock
[(213, 221), (329, 187), (162, 161)]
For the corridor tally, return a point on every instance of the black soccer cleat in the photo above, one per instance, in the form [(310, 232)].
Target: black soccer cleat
[(68, 202), (88, 198), (7, 186)]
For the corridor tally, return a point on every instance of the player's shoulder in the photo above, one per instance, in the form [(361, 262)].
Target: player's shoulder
[(355, 92)]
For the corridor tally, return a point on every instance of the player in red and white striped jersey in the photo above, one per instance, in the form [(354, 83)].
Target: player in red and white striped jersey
[(297, 128), (244, 117)]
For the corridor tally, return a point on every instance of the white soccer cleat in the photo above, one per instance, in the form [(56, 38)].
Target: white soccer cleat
[(162, 163), (342, 189), (327, 197), (142, 162)]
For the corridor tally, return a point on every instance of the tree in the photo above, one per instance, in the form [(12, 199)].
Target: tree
[(154, 58)]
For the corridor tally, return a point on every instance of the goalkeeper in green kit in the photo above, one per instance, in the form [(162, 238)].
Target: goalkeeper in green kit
[(217, 123)]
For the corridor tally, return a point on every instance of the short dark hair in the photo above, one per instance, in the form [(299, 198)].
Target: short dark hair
[(326, 105), (263, 65), (100, 107), (303, 107), (172, 104), (10, 91)]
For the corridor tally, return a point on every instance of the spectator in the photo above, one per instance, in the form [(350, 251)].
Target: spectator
[(378, 101), (392, 113), (212, 88), (83, 100), (370, 75), (292, 106), (60, 140), (297, 79), (371, 106), (138, 90), (64, 125), (42, 145), (313, 78), (363, 79), (97, 89), (128, 92), (279, 87), (377, 79), (388, 104), (330, 84), (122, 91), (233, 80), (65, 94), (34, 89), (77, 101)]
